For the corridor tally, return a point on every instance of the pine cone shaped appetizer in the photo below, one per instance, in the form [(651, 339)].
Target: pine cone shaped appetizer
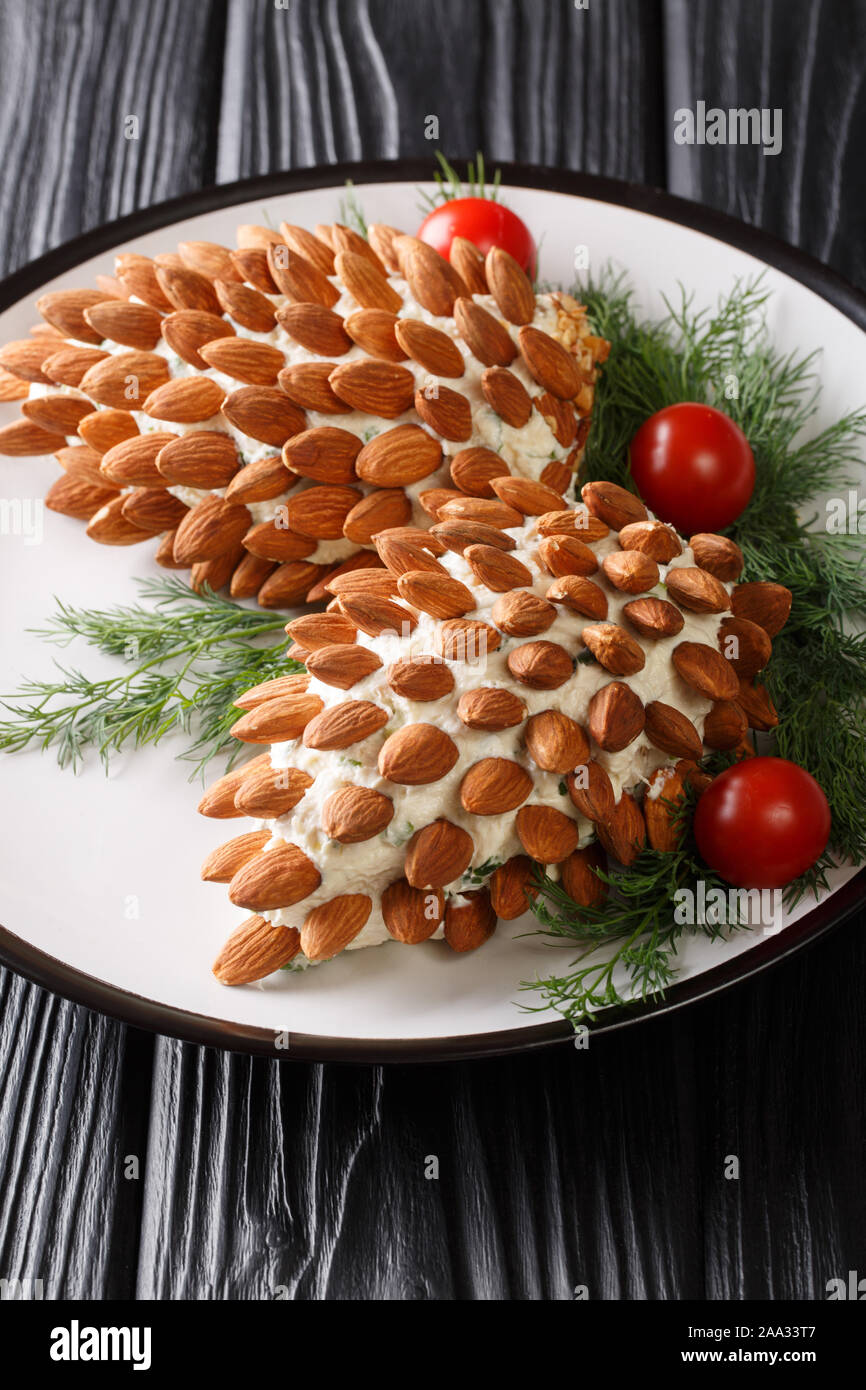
[(267, 411), (522, 685)]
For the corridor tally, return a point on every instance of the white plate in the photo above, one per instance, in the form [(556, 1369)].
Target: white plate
[(100, 896)]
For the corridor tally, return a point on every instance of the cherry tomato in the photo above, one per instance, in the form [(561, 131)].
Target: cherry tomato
[(693, 467), (762, 823), (483, 222)]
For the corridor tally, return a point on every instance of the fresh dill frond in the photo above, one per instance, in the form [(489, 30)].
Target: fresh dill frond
[(351, 212), (449, 185)]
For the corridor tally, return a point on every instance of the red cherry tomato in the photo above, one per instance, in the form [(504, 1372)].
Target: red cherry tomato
[(483, 222), (693, 467), (762, 823)]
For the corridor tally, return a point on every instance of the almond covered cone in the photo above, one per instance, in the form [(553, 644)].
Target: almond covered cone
[(522, 687), (292, 398)]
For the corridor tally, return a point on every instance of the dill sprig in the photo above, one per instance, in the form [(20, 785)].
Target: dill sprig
[(449, 184), (189, 656), (351, 212)]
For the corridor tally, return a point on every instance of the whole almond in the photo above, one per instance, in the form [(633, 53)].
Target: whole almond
[(468, 261), (579, 877), (362, 559), (311, 247), (768, 605), (697, 590), (746, 645), (374, 386), (125, 380), (307, 384), (222, 863), (540, 665), (24, 358), (83, 463), (446, 412), (290, 583), (630, 571), (429, 347), (561, 555), (725, 726), (327, 454), (755, 702), (436, 594), (624, 834), (277, 720), (251, 262), (299, 279), (320, 512), (367, 285), (664, 795), (654, 617), (378, 511), (591, 791), (483, 334), (510, 286), (134, 461), (277, 877), (521, 613), (210, 529), (421, 679), (187, 330), (294, 684), (271, 542), (498, 571), (381, 239), (410, 914), (416, 755), (613, 505), (705, 670), (346, 239), (342, 664), (255, 949), (57, 414), (492, 513), (137, 274), (248, 307), (215, 573), (64, 309), (432, 281), (490, 707), (316, 328), (315, 630), (269, 791), (438, 854), (67, 366), (466, 639), (547, 835), (102, 429), (187, 289), (374, 330), (208, 258), (153, 509), (218, 801), (718, 555), (472, 470), (652, 538), (185, 401), (552, 365), (471, 922), (257, 364), (74, 495), (376, 615), (528, 497), (616, 716), (555, 742), (506, 394), (203, 459), (580, 595), (580, 523), (512, 886), (614, 649), (670, 730), (434, 498), (457, 535), (133, 325), (354, 814), (402, 556), (164, 553), (494, 786), (398, 456), (261, 481), (109, 526)]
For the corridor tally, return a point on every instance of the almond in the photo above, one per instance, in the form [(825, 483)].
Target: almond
[(436, 594), (326, 454), (364, 581), (498, 571), (208, 258), (251, 263), (421, 679), (591, 791), (308, 385), (248, 307), (354, 814), (186, 400), (670, 730), (74, 495), (374, 330), (664, 828), (471, 922), (417, 754), (277, 720), (755, 702), (187, 289), (552, 365), (137, 275), (521, 613), (210, 529), (457, 535), (83, 463), (630, 571), (164, 553), (315, 630), (278, 877), (540, 665), (510, 286), (705, 670), (321, 511), (342, 665), (556, 743), (528, 497), (506, 394), (614, 649), (430, 347), (381, 239), (468, 261), (362, 559), (491, 708), (248, 576), (344, 724), (398, 456), (438, 854), (329, 928), (464, 639), (367, 285), (578, 875), (434, 498), (624, 834), (766, 604), (271, 791), (271, 542), (223, 863), (310, 247), (746, 645), (132, 325), (153, 509), (24, 359), (257, 364), (57, 414), (616, 716), (652, 538), (68, 366), (316, 328), (561, 555), (218, 801), (375, 615), (580, 523), (290, 583), (725, 726), (484, 335), (472, 470), (202, 459), (378, 511), (410, 914), (718, 555), (446, 412), (261, 481), (494, 786), (109, 526), (102, 429), (654, 617), (546, 834), (479, 509), (580, 595), (613, 505), (188, 330), (134, 461), (264, 413), (125, 380), (299, 279), (64, 309), (215, 573), (512, 886), (255, 949), (295, 684), (402, 557), (696, 590), (432, 281), (374, 386)]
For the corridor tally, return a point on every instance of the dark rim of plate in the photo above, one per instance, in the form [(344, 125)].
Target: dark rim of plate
[(53, 974)]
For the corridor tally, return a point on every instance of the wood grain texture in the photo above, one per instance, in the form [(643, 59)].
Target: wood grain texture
[(602, 1168)]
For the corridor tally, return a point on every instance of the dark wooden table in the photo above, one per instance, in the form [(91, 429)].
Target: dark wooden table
[(603, 1168)]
